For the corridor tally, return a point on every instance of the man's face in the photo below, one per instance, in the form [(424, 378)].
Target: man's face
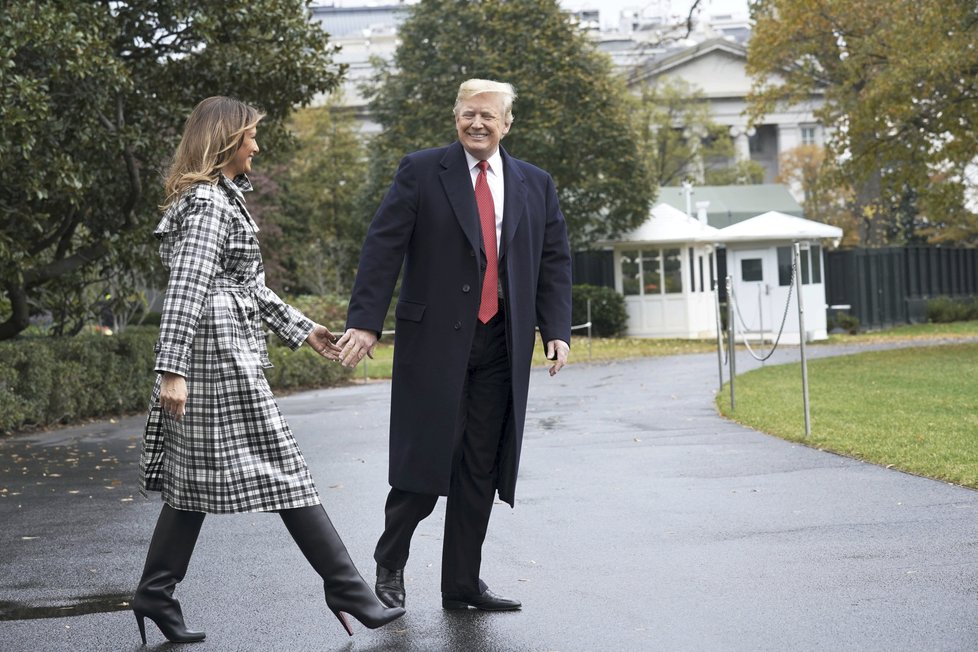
[(481, 124)]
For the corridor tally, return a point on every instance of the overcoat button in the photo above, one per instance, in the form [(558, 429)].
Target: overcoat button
[(466, 288), (472, 252), (458, 325)]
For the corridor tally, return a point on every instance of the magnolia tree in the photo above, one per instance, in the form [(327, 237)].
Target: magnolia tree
[(92, 99)]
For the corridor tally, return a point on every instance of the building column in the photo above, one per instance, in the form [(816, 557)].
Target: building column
[(741, 144)]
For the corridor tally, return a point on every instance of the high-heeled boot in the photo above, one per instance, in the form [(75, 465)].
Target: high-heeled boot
[(166, 564), (346, 592)]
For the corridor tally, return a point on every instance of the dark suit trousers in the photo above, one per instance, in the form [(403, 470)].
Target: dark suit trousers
[(485, 408)]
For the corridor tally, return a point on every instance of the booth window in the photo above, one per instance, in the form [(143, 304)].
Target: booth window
[(672, 270), (654, 271), (784, 266), (810, 262), (630, 273), (751, 269)]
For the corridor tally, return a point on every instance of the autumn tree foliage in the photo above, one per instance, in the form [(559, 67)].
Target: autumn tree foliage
[(900, 83), (312, 213), (828, 197)]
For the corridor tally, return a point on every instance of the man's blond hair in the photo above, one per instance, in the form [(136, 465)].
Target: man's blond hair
[(472, 87)]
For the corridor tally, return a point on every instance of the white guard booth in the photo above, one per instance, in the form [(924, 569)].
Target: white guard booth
[(759, 259), (665, 268)]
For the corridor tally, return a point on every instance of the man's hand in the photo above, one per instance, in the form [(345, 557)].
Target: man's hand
[(173, 394), (355, 344), (323, 342), (557, 350)]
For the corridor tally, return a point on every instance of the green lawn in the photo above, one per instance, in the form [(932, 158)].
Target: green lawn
[(604, 349), (913, 409), (911, 332)]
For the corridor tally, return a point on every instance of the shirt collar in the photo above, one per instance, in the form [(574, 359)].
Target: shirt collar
[(238, 186), (495, 162)]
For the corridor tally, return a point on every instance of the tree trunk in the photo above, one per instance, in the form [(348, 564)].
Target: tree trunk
[(19, 312)]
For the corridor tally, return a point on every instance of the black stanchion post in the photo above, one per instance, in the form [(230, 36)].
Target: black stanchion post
[(716, 310), (801, 339), (589, 329), (730, 342)]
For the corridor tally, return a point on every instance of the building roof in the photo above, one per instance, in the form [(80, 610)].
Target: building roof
[(669, 225), (777, 226), (360, 21), (732, 204), (662, 61)]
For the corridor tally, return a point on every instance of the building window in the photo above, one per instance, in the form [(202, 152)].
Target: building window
[(808, 135)]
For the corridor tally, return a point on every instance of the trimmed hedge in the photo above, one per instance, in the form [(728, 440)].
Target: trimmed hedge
[(47, 380), (943, 310), (608, 315)]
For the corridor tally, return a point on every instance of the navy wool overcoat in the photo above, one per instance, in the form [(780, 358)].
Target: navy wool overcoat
[(428, 223)]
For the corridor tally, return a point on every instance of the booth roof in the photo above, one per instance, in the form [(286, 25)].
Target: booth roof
[(669, 225), (777, 226)]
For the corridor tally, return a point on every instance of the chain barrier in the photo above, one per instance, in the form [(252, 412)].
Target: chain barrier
[(784, 318)]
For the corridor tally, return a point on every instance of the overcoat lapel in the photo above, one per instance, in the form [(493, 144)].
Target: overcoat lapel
[(457, 181), (514, 201)]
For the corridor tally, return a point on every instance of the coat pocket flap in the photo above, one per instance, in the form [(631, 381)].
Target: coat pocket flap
[(409, 310)]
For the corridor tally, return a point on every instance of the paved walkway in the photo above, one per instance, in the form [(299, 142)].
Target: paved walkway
[(644, 522)]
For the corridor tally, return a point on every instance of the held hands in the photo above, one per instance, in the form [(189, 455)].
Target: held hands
[(173, 394), (323, 342), (557, 350), (355, 344)]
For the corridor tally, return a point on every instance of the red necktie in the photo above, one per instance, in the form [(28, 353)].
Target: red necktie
[(489, 304)]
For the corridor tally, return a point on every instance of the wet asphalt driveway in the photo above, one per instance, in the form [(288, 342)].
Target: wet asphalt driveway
[(643, 522)]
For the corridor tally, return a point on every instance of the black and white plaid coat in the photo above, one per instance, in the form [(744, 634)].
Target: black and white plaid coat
[(233, 451)]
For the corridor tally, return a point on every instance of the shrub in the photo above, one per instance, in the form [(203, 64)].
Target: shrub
[(47, 380), (845, 321), (944, 310), (328, 310), (302, 369), (51, 380), (608, 315)]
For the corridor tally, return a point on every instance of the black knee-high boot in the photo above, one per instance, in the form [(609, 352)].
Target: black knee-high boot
[(166, 564), (346, 592)]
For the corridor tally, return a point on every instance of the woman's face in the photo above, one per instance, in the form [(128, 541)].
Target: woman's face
[(241, 163)]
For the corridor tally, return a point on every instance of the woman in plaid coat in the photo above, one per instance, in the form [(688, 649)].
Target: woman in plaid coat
[(215, 440)]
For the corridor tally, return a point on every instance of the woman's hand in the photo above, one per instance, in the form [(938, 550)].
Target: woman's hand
[(173, 394), (323, 342)]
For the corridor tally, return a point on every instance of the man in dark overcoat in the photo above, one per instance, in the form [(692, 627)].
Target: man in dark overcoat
[(485, 259)]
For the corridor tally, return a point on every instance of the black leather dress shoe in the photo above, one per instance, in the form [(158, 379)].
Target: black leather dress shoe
[(390, 586), (487, 601)]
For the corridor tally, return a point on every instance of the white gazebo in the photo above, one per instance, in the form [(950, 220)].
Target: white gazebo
[(665, 269), (759, 262)]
